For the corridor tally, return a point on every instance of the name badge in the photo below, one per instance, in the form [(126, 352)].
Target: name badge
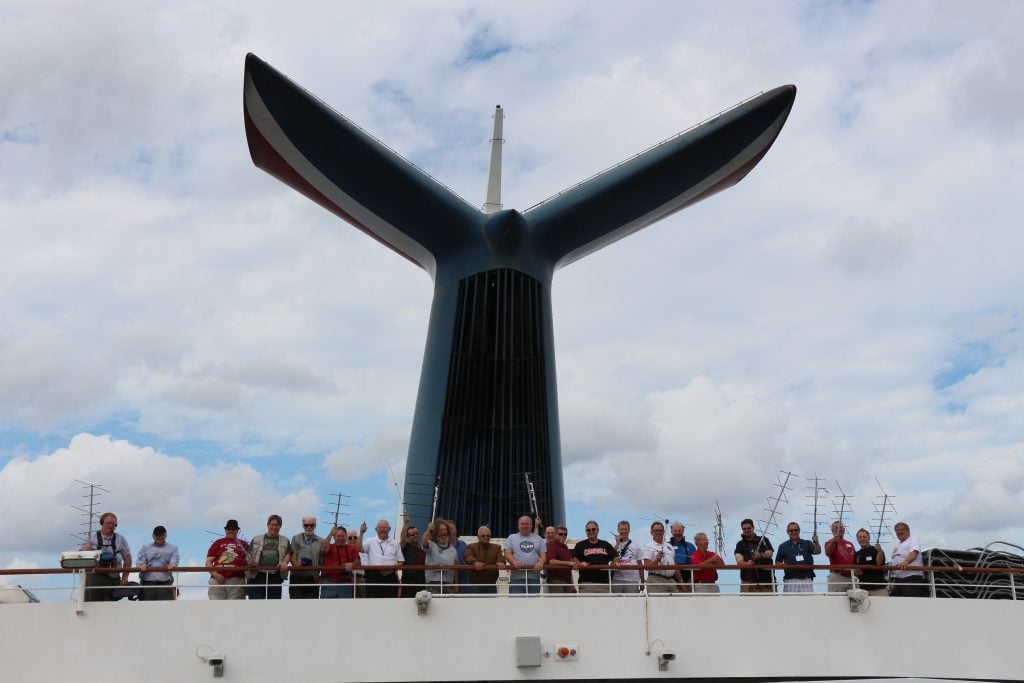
[(799, 558)]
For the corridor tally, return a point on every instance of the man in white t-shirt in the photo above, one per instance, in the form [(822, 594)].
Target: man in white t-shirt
[(659, 553), (905, 555), (626, 580)]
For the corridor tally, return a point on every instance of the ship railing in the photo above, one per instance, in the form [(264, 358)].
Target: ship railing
[(942, 581)]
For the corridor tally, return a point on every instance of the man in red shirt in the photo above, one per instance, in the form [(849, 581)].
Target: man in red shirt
[(226, 560), (341, 557), (560, 561), (839, 552), (704, 562)]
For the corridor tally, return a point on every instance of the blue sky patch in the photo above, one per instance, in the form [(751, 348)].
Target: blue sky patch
[(971, 358)]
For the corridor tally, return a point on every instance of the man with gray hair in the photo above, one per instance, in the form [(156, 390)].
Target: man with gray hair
[(705, 563), (114, 552), (306, 552), (482, 554)]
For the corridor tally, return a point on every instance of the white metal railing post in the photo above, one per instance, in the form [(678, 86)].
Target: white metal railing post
[(80, 592), (1013, 587), (931, 583)]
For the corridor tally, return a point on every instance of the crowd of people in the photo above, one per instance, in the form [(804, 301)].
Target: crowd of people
[(348, 563)]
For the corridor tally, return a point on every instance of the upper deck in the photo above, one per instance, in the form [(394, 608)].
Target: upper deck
[(730, 636)]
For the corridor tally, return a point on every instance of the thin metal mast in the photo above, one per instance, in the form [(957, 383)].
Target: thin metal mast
[(719, 532), (842, 505), (492, 202), (532, 493), (337, 512), (882, 508), (817, 490), (773, 506), (95, 491)]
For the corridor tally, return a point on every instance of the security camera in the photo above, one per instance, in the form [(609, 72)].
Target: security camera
[(216, 660), (858, 600), (664, 658)]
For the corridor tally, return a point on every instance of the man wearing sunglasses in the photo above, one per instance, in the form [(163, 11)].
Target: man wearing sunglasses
[(482, 554), (306, 552), (558, 573), (797, 551), (413, 580)]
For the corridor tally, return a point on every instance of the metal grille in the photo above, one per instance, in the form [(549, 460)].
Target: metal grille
[(495, 426)]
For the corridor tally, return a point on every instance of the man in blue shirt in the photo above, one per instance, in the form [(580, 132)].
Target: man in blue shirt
[(162, 556), (684, 550), (797, 551)]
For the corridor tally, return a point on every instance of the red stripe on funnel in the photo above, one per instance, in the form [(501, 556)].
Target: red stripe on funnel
[(267, 158)]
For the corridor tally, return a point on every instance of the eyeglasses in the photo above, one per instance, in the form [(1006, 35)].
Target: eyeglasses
[(309, 526), (792, 531), (353, 538), (413, 533), (589, 529), (563, 533)]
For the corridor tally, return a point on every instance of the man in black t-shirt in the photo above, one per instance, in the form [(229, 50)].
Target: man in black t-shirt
[(753, 551), (872, 580), (413, 580), (594, 552)]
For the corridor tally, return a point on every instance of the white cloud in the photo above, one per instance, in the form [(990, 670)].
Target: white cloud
[(863, 247), (712, 442), (992, 498), (143, 487), (386, 449)]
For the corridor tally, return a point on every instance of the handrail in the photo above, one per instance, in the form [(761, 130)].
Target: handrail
[(506, 567)]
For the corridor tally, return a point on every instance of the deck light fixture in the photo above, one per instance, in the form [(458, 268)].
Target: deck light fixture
[(80, 559)]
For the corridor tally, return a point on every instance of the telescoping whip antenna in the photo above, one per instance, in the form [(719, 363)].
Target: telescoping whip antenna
[(773, 506), (882, 508), (398, 492), (437, 494)]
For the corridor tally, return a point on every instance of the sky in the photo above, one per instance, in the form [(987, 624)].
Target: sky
[(204, 343)]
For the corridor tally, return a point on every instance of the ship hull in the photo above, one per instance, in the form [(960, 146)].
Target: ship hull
[(712, 637)]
